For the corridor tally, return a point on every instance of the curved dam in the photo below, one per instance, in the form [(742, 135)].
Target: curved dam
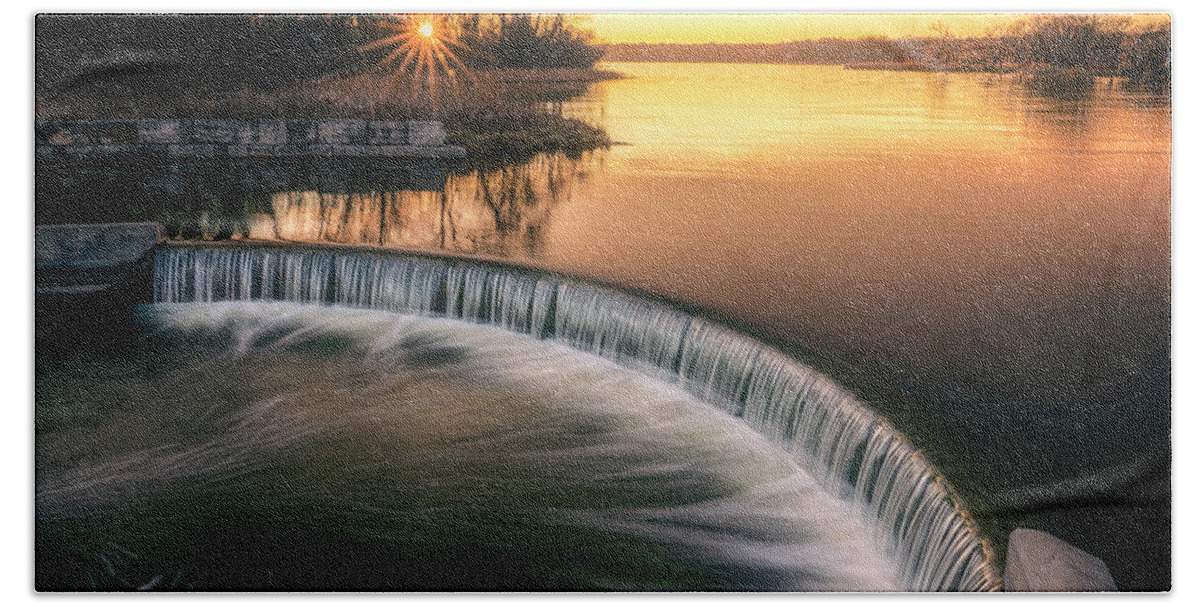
[(827, 496)]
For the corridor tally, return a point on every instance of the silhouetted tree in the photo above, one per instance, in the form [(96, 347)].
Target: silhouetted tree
[(1148, 58), (531, 41)]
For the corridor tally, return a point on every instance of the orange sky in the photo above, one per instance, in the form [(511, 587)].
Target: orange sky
[(698, 27)]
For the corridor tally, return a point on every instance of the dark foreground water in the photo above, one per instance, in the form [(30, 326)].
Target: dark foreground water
[(285, 446)]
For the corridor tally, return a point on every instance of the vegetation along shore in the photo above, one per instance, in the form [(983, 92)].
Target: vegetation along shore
[(495, 80), (492, 79)]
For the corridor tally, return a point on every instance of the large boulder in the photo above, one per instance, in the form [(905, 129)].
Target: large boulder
[(1038, 561)]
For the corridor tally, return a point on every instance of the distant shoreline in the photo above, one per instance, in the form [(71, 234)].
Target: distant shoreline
[(866, 66), (919, 67), (545, 75)]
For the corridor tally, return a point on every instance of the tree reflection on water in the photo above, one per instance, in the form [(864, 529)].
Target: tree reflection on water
[(497, 210), (501, 211)]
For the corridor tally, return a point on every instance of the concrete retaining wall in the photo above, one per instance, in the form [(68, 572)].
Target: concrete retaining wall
[(85, 258), (212, 138), (89, 278)]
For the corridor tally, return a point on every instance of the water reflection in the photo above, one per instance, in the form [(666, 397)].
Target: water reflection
[(497, 212), (724, 118), (494, 211)]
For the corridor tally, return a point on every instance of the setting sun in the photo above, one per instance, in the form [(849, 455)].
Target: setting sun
[(423, 52)]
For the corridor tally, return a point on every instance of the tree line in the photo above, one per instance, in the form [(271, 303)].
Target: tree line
[(523, 41), (1103, 45), (825, 51), (1100, 45)]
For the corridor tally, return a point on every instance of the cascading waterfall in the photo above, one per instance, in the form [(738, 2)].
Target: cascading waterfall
[(855, 453)]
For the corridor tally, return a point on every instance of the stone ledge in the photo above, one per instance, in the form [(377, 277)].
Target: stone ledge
[(76, 260), (90, 247), (207, 138)]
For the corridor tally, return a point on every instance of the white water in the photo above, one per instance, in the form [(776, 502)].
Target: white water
[(855, 455)]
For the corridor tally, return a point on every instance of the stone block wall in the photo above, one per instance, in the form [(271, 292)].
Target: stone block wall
[(201, 138)]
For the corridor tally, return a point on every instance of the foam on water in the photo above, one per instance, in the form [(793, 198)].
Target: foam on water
[(383, 407)]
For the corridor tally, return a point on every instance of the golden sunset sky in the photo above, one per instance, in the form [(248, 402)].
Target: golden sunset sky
[(759, 27)]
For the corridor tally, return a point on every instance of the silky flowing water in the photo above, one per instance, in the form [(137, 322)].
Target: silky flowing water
[(259, 445), (871, 504)]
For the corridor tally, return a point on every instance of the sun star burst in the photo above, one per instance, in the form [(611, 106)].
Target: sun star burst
[(420, 50)]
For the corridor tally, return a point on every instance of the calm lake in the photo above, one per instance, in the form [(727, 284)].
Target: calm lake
[(989, 269)]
